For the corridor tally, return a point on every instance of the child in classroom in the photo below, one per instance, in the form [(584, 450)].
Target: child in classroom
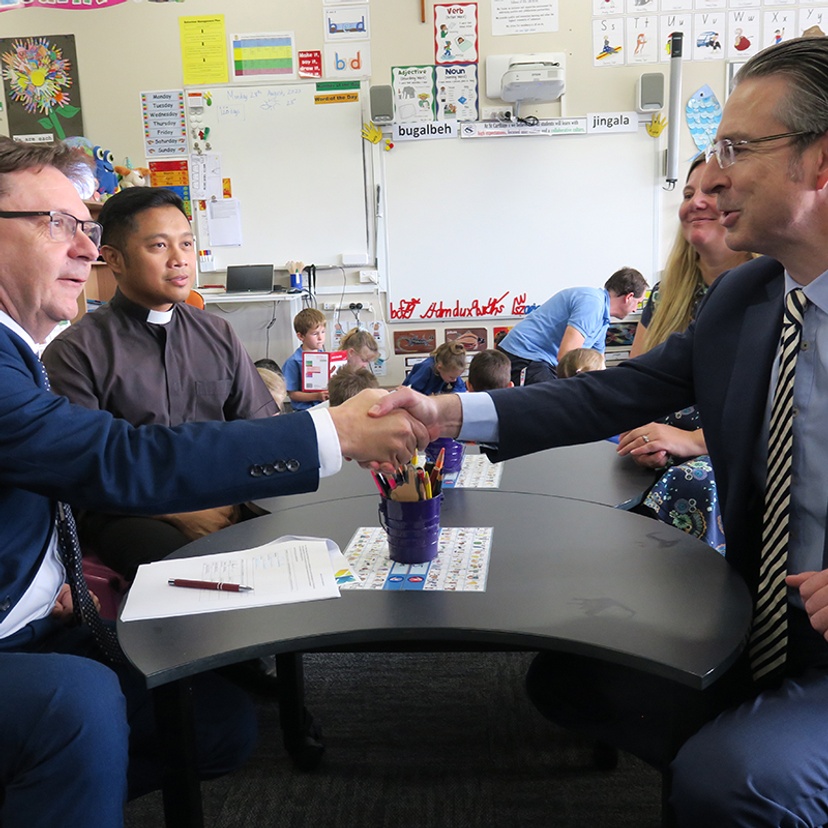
[(579, 360), (347, 382), (362, 348), (310, 326), (275, 383), (488, 370), (440, 372)]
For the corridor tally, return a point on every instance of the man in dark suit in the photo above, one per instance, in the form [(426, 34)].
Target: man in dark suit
[(763, 761), (53, 451)]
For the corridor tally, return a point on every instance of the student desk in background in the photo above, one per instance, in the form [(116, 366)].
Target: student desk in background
[(591, 472), (564, 575)]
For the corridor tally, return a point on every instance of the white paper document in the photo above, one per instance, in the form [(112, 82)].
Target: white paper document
[(280, 572)]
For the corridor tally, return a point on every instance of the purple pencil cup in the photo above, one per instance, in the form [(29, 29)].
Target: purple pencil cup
[(413, 529), (453, 460)]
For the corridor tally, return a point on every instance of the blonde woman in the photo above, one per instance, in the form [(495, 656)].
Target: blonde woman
[(685, 495)]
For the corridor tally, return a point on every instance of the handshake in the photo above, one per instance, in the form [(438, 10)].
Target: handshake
[(382, 430)]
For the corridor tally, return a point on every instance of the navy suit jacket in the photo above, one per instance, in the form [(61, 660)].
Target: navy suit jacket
[(722, 363), (51, 450)]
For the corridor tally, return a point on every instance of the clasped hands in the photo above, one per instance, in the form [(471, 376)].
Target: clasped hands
[(382, 430), (653, 444)]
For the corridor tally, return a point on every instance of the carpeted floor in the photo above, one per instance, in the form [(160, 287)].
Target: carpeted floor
[(425, 741)]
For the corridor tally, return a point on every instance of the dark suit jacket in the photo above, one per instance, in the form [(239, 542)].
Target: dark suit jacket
[(51, 450), (722, 363)]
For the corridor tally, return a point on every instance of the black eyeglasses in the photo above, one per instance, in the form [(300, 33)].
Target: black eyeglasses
[(62, 226)]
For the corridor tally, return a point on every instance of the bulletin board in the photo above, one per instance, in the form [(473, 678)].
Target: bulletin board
[(294, 155), (485, 227)]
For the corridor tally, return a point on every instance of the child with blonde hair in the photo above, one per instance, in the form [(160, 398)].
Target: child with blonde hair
[(580, 360), (440, 373), (361, 346)]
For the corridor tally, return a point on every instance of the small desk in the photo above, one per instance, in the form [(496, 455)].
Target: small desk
[(592, 472), (565, 575)]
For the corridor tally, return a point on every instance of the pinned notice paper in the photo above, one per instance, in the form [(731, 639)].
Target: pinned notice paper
[(224, 222)]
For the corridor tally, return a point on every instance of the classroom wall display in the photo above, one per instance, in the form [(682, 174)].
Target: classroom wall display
[(263, 55), (294, 155), (457, 92), (413, 93), (40, 82), (77, 5), (418, 341), (349, 23), (455, 33), (492, 227), (524, 17), (472, 339), (638, 31)]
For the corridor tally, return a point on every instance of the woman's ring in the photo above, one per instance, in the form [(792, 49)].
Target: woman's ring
[(645, 438)]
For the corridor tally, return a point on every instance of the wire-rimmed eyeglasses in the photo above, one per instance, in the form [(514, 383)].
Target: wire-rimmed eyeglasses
[(726, 151), (62, 226)]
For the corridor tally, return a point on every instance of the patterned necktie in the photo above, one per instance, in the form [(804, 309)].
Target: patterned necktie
[(769, 635), (83, 605)]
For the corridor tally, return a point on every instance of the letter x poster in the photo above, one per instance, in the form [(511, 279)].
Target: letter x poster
[(40, 82)]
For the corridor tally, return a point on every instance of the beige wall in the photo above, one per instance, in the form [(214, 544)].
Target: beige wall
[(133, 47)]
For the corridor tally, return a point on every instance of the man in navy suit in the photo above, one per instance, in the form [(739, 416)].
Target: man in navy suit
[(52, 757), (763, 760)]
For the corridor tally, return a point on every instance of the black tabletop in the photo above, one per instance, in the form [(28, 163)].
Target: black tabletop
[(591, 472), (564, 575)]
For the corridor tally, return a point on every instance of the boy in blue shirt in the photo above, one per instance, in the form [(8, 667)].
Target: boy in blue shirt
[(310, 326)]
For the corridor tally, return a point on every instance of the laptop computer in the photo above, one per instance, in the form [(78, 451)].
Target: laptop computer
[(249, 279)]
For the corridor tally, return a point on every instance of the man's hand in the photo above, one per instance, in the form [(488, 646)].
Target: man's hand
[(813, 587), (63, 610), (194, 525), (386, 442), (442, 415)]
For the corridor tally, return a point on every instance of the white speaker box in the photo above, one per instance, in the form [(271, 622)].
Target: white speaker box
[(649, 93)]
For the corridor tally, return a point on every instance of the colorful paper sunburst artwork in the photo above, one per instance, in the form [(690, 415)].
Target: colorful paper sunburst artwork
[(38, 76)]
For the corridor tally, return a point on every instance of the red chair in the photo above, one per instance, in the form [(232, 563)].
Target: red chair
[(106, 583)]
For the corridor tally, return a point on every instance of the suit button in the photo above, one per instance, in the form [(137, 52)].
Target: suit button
[(268, 469), (5, 606), (293, 465), (280, 466), (256, 471)]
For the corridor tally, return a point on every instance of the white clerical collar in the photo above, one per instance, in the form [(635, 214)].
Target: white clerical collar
[(155, 317), (6, 320)]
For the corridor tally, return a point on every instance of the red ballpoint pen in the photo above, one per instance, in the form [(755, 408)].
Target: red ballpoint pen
[(221, 586)]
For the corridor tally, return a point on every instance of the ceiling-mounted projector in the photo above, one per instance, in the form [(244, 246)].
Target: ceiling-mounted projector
[(530, 79)]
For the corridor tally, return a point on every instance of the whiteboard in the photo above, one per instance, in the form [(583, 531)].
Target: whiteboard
[(486, 226), (297, 169)]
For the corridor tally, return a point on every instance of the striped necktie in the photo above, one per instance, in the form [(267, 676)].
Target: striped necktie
[(82, 603), (769, 635)]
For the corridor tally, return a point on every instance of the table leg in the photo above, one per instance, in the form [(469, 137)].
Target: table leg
[(301, 737), (181, 788)]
